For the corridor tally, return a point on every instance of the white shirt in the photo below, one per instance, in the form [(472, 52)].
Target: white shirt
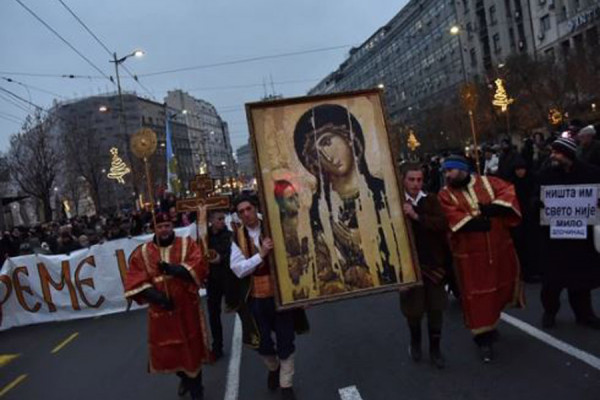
[(239, 264), (415, 202), (491, 165)]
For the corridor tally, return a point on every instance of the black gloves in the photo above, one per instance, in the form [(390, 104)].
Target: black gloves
[(494, 210), (157, 297), (478, 224), (178, 271)]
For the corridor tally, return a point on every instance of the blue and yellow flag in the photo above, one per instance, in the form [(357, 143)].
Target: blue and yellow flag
[(173, 182)]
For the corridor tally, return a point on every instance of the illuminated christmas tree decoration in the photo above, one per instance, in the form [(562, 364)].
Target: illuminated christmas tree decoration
[(555, 116), (118, 169), (412, 141), (501, 99)]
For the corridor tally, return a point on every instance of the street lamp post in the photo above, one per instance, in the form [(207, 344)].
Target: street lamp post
[(456, 30), (122, 121), (223, 166)]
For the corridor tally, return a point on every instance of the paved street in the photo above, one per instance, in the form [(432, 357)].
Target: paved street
[(359, 343)]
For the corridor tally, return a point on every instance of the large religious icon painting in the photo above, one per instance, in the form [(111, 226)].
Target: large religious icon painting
[(330, 197)]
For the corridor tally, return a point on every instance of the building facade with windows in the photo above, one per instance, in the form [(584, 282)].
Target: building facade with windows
[(564, 25), (413, 56), (99, 126), (245, 162), (208, 134), (492, 30)]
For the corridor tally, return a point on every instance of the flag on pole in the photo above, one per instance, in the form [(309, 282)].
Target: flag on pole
[(173, 185)]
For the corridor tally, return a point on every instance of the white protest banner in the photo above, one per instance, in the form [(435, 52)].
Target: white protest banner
[(569, 209), (87, 282), (564, 228), (570, 202)]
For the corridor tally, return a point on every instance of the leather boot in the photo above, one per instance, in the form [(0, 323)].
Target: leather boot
[(435, 352), (183, 387), (196, 387), (288, 394), (414, 349), (272, 363)]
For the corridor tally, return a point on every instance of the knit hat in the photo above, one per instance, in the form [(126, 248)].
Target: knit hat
[(565, 146), (456, 162), (162, 217), (588, 130)]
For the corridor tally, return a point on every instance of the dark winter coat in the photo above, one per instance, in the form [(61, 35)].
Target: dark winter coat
[(590, 154), (574, 264)]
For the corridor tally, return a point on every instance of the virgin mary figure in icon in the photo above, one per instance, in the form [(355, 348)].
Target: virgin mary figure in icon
[(349, 203)]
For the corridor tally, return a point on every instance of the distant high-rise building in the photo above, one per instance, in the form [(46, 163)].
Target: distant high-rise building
[(245, 162), (98, 125), (208, 134), (492, 30), (561, 26), (413, 56)]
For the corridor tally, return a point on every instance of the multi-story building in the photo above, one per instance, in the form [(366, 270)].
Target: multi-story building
[(413, 56), (562, 25), (208, 134), (491, 30), (97, 123), (245, 162)]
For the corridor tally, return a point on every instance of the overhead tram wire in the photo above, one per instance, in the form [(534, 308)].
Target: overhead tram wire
[(32, 87), (246, 60), (11, 117), (14, 103), (11, 120), (251, 85), (104, 46), (63, 39), (42, 75), (22, 99)]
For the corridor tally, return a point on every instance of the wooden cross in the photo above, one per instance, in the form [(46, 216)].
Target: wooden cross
[(202, 186)]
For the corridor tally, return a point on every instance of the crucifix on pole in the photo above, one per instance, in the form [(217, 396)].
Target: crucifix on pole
[(202, 186)]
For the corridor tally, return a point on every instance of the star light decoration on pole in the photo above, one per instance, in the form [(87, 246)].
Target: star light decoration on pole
[(118, 168), (501, 99)]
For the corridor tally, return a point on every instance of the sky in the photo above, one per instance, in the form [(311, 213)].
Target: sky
[(177, 34)]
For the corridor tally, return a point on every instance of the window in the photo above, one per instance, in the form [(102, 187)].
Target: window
[(592, 37), (511, 38), (507, 7), (469, 30), (496, 39), (545, 23), (466, 4), (493, 19), (473, 55)]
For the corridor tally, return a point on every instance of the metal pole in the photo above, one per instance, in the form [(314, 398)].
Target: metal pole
[(507, 122), (474, 133), (150, 192), (462, 57), (123, 122)]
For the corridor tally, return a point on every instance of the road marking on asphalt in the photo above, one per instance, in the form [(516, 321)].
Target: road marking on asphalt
[(233, 369), (5, 359), (12, 385), (349, 393), (64, 343), (552, 341)]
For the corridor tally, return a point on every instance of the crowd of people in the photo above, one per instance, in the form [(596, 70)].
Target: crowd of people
[(70, 234), (479, 234)]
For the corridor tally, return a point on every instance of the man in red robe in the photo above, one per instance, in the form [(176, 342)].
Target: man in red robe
[(166, 273), (480, 211)]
